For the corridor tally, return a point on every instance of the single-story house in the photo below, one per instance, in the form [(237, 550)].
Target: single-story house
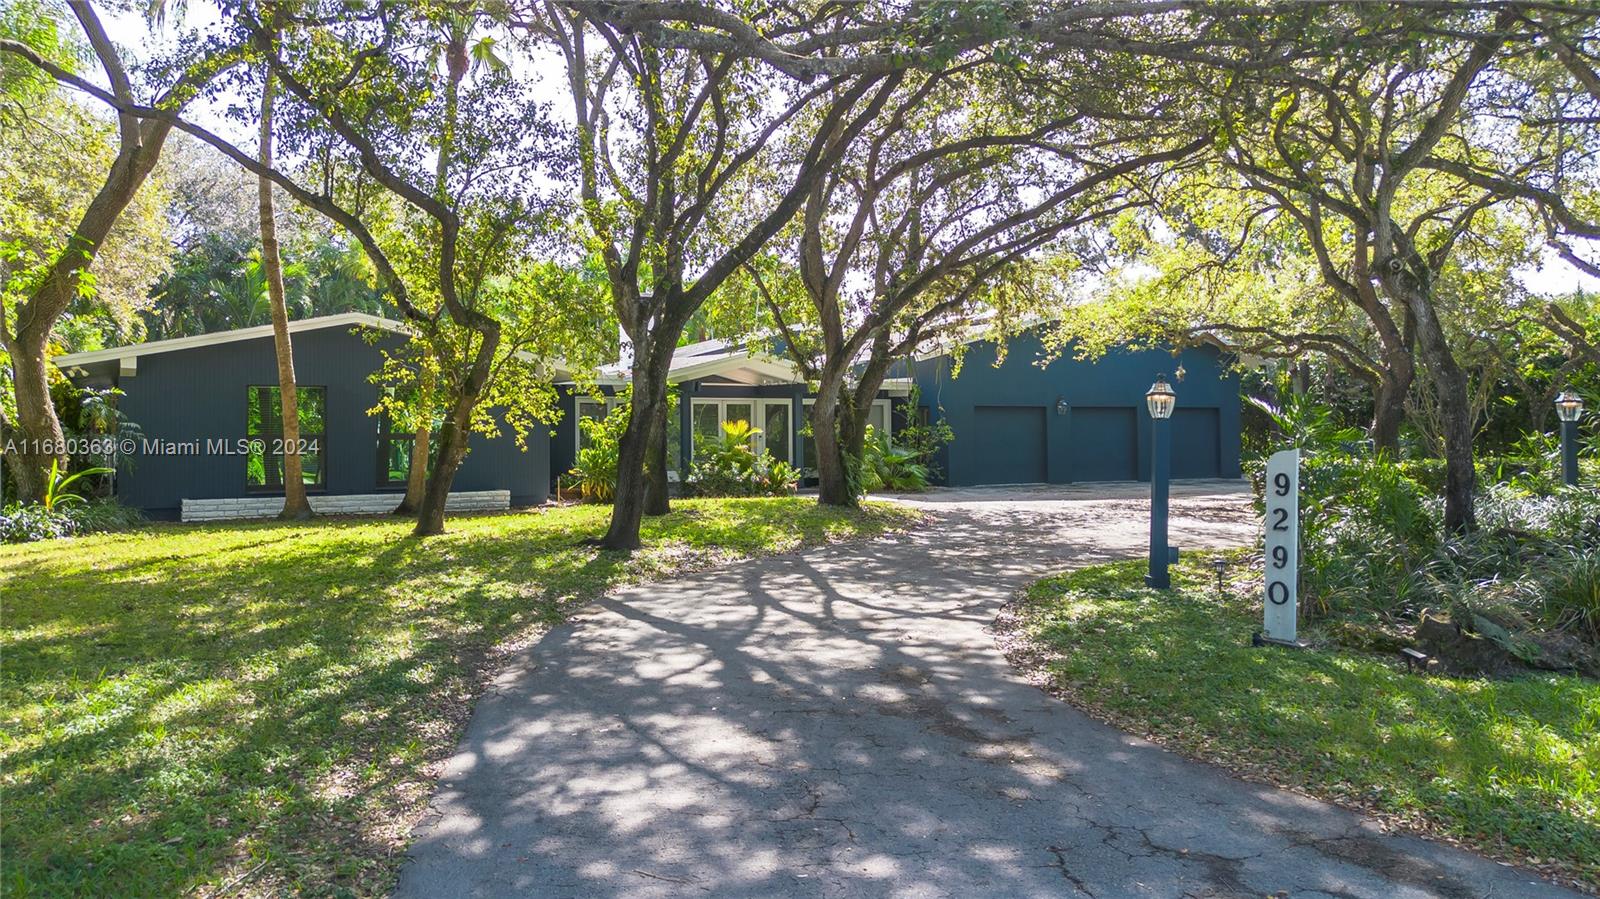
[(207, 409), (206, 406)]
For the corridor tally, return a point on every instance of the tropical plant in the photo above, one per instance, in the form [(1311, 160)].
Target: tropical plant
[(888, 466), (595, 472), (58, 487), (730, 466), (925, 440), (1304, 422)]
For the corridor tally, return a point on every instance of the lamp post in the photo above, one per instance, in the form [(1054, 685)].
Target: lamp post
[(1569, 408), (1160, 400)]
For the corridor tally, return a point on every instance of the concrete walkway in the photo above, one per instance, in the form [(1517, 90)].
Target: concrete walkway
[(840, 723)]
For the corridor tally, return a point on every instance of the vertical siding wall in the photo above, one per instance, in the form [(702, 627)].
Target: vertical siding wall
[(200, 394), (1099, 395)]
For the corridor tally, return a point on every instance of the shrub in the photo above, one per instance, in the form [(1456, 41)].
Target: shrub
[(1569, 584), (923, 442), (24, 524), (731, 467), (886, 466), (595, 471), (1372, 550)]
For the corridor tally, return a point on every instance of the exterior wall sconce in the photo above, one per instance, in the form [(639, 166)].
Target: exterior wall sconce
[(1062, 408)]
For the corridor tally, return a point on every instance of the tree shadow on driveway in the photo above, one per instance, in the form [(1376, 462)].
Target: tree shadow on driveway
[(840, 723)]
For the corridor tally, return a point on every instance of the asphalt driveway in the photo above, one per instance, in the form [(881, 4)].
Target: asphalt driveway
[(840, 723)]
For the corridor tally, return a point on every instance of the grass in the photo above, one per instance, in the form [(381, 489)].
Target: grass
[(1509, 767), (259, 708)]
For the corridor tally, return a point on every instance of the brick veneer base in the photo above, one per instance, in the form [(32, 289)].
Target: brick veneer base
[(353, 504)]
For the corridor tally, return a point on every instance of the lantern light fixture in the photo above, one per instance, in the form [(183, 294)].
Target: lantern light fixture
[(1569, 406), (1160, 398)]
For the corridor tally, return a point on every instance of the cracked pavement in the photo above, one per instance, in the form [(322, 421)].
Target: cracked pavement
[(839, 722)]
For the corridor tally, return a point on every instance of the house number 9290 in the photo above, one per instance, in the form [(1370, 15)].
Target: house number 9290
[(1282, 545)]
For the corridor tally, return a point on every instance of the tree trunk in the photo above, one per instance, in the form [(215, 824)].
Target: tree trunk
[(37, 439), (656, 499), (417, 471), (453, 437), (1455, 408), (1389, 404), (647, 409), (835, 487), (1461, 477), (452, 449), (295, 505)]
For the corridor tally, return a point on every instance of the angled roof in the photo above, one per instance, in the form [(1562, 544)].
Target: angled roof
[(134, 350), (723, 359), (127, 355)]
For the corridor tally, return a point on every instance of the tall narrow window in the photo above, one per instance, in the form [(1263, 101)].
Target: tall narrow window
[(594, 411), (394, 452), (264, 427)]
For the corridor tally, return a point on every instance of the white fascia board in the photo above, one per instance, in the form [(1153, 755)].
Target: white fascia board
[(763, 366), (133, 351), (127, 356)]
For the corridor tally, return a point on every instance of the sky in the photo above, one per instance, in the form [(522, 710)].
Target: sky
[(129, 29)]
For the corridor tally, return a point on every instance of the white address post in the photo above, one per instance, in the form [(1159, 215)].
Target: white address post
[(1283, 546)]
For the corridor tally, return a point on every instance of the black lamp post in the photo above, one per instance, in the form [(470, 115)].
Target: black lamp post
[(1569, 408), (1160, 399)]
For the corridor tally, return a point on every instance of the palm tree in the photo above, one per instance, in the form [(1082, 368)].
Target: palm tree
[(295, 505)]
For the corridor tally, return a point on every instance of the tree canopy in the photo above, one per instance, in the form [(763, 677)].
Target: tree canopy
[(1338, 181)]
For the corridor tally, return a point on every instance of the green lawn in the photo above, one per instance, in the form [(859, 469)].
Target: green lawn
[(257, 708), (1511, 767)]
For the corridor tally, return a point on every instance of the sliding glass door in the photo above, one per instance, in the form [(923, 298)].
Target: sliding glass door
[(770, 417)]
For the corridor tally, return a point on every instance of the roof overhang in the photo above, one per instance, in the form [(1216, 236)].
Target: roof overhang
[(750, 370), (736, 368), (127, 357)]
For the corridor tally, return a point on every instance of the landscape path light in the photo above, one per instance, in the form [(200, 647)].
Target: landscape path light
[(1569, 408)]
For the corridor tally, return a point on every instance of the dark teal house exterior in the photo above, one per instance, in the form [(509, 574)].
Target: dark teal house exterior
[(1073, 421), (201, 401), (1069, 421)]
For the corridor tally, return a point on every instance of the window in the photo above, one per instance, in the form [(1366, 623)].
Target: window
[(394, 452), (264, 427), (590, 409)]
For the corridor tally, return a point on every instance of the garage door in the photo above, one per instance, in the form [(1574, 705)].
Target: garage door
[(1196, 444), (1009, 443), (1105, 442)]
